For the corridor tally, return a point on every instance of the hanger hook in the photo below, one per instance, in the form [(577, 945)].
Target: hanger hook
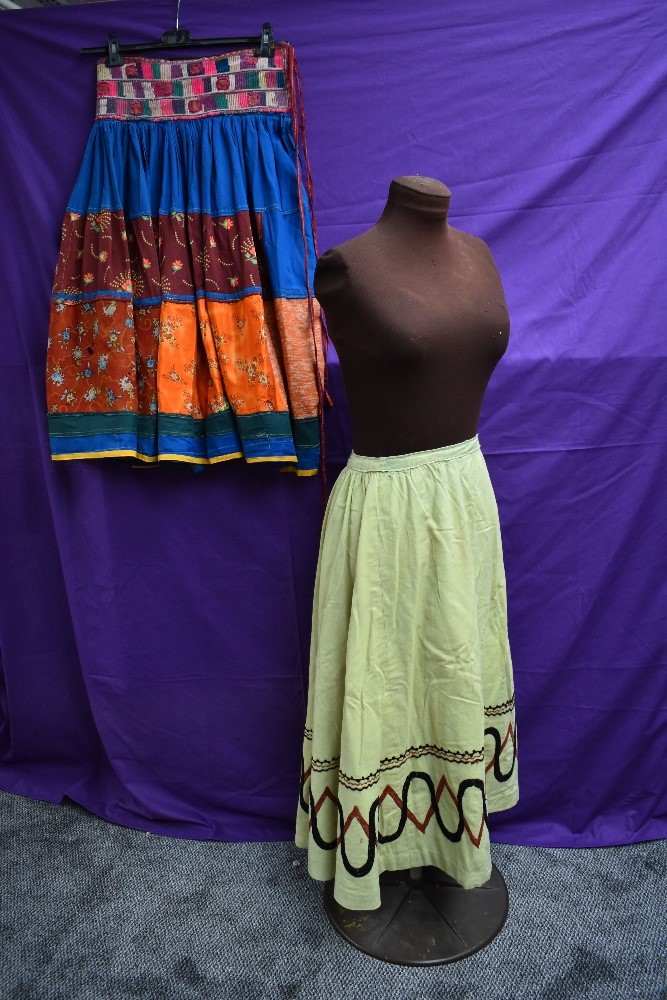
[(178, 7)]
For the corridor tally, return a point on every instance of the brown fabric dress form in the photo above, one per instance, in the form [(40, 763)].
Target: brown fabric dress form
[(417, 314)]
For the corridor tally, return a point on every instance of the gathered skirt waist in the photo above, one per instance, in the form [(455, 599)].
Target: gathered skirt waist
[(398, 463)]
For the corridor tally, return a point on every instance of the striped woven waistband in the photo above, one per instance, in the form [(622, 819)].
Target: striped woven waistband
[(397, 463), (167, 89)]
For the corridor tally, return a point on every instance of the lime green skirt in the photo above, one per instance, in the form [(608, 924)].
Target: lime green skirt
[(410, 735)]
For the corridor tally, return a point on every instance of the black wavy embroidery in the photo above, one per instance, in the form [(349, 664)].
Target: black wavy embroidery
[(497, 750), (374, 838), (324, 765), (504, 709), (391, 763)]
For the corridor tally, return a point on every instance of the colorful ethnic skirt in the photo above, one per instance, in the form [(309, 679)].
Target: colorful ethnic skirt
[(183, 326), (410, 733)]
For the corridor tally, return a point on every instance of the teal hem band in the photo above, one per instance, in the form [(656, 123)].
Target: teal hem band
[(256, 437)]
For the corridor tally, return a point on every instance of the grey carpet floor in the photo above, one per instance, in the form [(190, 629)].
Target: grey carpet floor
[(93, 911)]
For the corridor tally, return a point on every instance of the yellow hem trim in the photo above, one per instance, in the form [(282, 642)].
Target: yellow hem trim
[(103, 454), (154, 459), (299, 472), (224, 458), (200, 461)]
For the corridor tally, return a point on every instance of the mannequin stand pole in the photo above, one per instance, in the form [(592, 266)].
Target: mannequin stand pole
[(425, 917)]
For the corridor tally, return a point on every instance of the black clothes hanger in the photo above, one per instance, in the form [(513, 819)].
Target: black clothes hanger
[(181, 38)]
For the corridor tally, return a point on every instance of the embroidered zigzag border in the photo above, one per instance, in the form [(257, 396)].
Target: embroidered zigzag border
[(507, 706), (321, 765), (388, 763), (369, 826)]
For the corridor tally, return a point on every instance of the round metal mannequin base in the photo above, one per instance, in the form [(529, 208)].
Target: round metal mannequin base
[(425, 917)]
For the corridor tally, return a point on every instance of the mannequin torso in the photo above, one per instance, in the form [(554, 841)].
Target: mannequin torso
[(417, 313)]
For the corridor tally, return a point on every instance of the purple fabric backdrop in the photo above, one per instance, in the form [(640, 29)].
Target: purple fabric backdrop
[(154, 624)]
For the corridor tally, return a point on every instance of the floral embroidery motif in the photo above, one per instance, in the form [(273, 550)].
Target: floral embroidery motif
[(122, 328)]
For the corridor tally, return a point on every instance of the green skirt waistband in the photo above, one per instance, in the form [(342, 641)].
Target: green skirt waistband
[(397, 463)]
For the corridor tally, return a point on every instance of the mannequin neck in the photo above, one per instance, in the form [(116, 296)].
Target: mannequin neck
[(415, 200)]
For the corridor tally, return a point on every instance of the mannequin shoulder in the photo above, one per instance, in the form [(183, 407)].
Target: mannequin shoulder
[(331, 273), (475, 246), (331, 261)]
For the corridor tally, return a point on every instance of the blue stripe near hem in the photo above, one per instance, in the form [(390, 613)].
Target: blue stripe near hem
[(282, 293), (214, 446)]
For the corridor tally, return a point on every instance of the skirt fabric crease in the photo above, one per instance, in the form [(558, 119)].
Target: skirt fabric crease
[(182, 321), (410, 733)]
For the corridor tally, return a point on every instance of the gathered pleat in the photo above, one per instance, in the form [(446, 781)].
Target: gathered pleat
[(217, 165)]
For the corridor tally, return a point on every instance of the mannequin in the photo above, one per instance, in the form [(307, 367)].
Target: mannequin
[(419, 304), (416, 311)]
